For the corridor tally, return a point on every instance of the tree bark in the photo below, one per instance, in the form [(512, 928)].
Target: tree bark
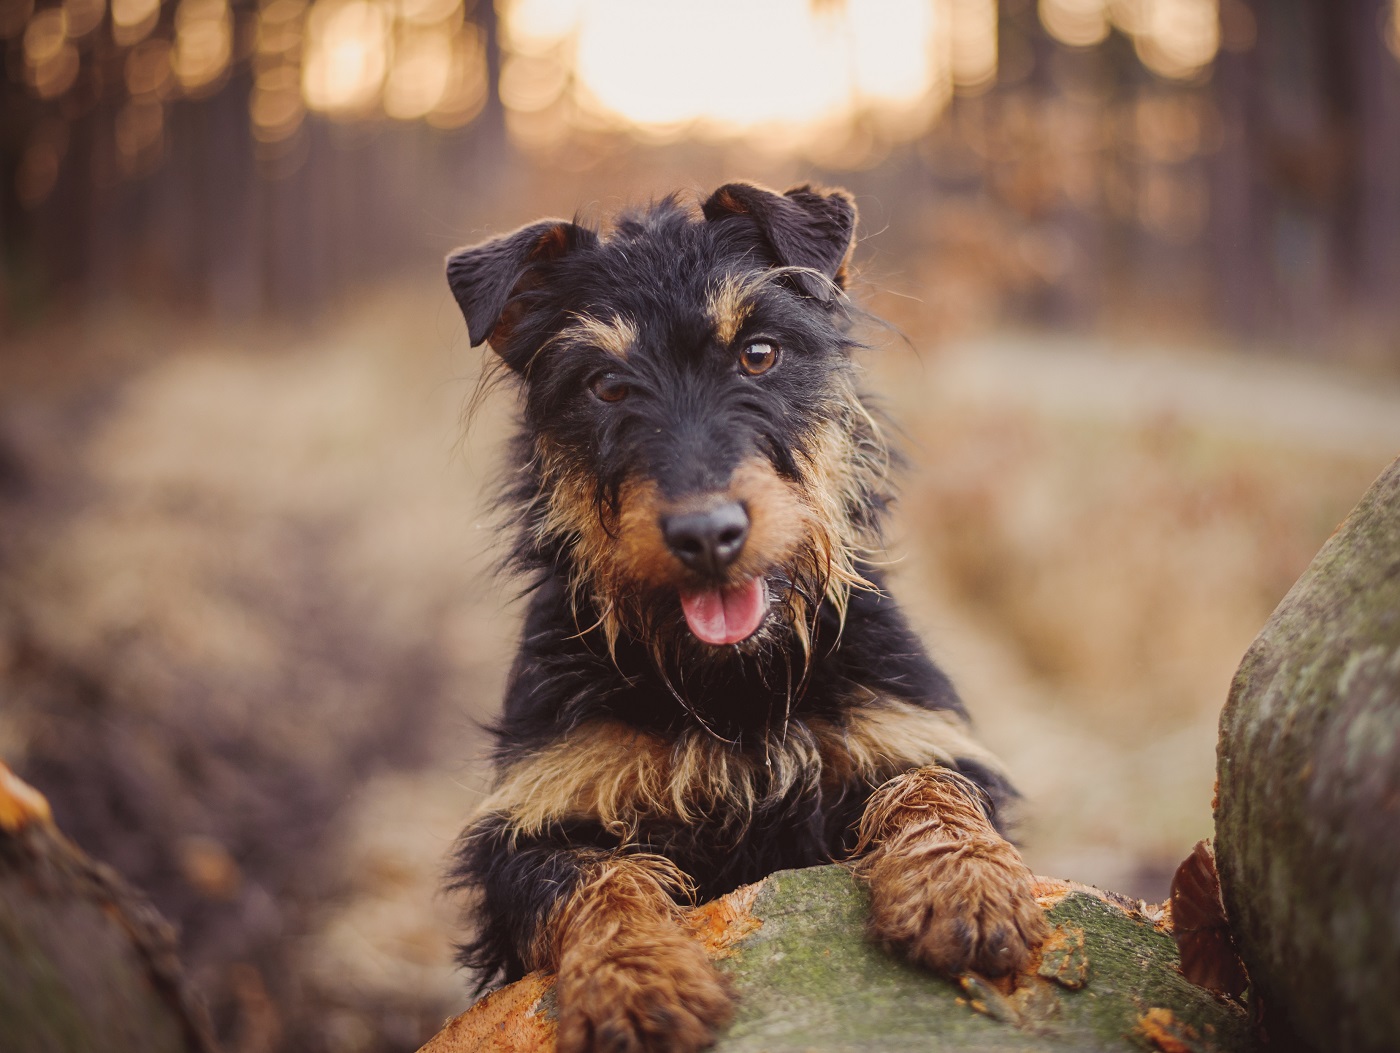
[(1308, 809)]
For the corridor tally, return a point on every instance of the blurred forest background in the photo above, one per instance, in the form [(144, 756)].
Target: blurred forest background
[(1145, 253)]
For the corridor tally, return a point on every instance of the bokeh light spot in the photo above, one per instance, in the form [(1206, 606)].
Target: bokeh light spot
[(44, 37), (203, 44), (50, 59), (465, 93), (974, 44), (275, 107), (148, 69), (1179, 37), (784, 74), (420, 73), (347, 56), (428, 12), (133, 20), (1076, 23)]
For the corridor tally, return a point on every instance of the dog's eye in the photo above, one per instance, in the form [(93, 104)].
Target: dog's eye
[(609, 387), (758, 358)]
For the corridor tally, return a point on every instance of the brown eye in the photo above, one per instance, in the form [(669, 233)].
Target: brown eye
[(758, 358), (609, 387)]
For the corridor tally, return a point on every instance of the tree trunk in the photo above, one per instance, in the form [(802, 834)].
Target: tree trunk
[(1308, 810)]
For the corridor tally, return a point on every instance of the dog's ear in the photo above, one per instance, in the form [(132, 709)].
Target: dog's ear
[(486, 278), (804, 227)]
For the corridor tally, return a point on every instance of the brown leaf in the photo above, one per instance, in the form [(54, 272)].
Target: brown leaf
[(1203, 939)]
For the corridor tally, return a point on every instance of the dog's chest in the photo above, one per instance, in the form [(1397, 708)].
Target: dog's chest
[(634, 783)]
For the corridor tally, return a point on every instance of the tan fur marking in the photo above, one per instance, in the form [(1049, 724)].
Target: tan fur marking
[(731, 299), (616, 335), (946, 889), (886, 738), (848, 458), (639, 554), (726, 200), (780, 520), (730, 306), (621, 778), (631, 974), (552, 242)]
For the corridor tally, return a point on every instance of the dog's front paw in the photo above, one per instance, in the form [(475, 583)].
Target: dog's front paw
[(638, 995), (956, 905)]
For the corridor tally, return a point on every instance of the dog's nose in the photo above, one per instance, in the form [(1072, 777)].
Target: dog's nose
[(708, 541)]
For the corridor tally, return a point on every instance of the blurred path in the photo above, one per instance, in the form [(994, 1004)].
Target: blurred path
[(1250, 397)]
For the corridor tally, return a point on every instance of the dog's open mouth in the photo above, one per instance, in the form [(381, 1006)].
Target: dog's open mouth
[(726, 616)]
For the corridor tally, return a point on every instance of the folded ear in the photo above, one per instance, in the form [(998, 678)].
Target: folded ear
[(485, 278), (804, 227)]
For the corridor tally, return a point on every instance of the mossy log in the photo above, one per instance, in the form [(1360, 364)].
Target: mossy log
[(809, 980), (86, 964), (1308, 806)]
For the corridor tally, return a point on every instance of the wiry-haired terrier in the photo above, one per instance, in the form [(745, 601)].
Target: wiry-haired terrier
[(712, 682)]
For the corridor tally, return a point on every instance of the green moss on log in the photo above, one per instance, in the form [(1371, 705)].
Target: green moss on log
[(1308, 809), (809, 980)]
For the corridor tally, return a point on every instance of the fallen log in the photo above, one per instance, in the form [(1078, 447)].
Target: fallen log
[(87, 965), (808, 980)]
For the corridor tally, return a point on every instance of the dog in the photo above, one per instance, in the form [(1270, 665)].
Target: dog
[(713, 682)]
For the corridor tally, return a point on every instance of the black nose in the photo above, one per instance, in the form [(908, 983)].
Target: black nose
[(708, 541)]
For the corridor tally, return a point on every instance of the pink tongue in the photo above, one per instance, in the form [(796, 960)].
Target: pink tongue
[(726, 616)]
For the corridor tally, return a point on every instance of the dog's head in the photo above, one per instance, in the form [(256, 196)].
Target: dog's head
[(695, 451)]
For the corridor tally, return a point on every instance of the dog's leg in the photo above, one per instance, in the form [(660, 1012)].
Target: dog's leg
[(946, 889), (631, 978)]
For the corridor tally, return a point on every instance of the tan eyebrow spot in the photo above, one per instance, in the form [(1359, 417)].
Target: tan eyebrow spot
[(730, 305), (616, 335)]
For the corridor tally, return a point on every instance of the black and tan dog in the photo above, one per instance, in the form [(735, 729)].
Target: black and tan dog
[(712, 682)]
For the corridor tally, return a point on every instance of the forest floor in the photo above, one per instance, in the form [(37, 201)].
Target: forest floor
[(259, 560)]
